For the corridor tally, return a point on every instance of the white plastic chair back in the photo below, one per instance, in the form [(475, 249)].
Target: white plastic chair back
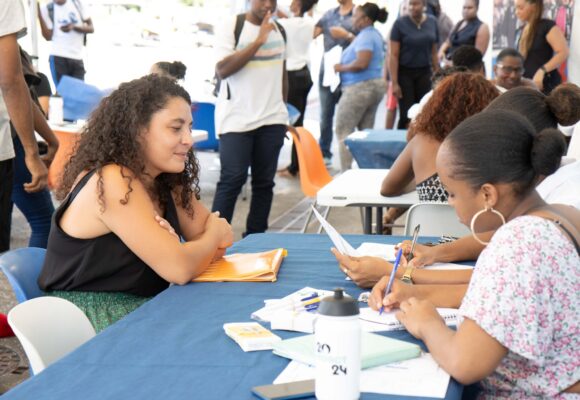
[(48, 329), (436, 219)]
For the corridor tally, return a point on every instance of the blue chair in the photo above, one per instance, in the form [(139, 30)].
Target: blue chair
[(22, 267), (204, 119)]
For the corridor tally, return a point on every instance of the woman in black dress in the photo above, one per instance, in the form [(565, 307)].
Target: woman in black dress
[(469, 31), (541, 43)]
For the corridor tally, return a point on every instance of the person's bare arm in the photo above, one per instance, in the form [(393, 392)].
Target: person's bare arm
[(236, 61), (454, 351), (482, 38), (317, 31), (135, 225), (400, 174), (443, 50), (443, 295), (367, 271), (362, 61), (41, 126), (463, 249), (19, 106), (434, 58), (285, 84), (86, 27), (557, 41), (46, 33), (395, 48)]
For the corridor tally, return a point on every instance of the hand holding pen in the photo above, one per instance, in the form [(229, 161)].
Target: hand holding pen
[(392, 277)]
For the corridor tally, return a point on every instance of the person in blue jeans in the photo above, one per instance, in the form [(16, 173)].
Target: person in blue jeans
[(336, 26), (251, 116), (37, 207)]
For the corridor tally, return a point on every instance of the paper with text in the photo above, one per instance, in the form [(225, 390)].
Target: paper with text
[(420, 377)]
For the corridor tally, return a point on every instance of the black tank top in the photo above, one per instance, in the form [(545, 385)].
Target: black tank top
[(465, 36), (539, 54), (101, 264)]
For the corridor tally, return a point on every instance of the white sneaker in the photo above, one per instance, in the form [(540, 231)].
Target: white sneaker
[(327, 161)]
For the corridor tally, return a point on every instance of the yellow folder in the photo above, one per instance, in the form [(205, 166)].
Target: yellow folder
[(248, 267)]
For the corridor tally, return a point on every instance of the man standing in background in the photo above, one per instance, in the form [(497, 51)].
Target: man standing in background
[(336, 26), (15, 107), (250, 115), (66, 23)]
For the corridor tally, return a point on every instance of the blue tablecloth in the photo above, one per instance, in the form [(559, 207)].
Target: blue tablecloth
[(174, 346), (379, 148)]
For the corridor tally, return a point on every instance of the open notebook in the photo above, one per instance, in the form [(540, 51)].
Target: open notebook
[(247, 267), (375, 350), (371, 321)]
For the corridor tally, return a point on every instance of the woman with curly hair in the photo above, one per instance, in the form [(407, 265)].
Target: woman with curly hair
[(455, 98), (131, 222)]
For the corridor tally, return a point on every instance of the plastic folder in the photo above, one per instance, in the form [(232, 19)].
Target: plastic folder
[(247, 267), (376, 350)]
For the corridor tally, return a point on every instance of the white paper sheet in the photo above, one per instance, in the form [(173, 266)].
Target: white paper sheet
[(447, 266), (371, 321), (331, 58), (339, 242), (420, 377), (384, 251)]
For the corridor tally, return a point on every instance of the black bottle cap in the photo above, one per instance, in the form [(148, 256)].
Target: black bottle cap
[(338, 305)]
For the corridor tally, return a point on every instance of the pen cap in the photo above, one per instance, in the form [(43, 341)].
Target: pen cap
[(338, 305)]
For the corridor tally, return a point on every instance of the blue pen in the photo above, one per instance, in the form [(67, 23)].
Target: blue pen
[(392, 277)]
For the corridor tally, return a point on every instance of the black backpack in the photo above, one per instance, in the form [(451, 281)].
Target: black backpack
[(50, 9), (240, 19)]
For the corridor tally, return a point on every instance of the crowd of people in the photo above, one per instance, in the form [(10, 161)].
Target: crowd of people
[(131, 222)]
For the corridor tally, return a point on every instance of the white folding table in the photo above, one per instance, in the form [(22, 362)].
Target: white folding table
[(361, 188)]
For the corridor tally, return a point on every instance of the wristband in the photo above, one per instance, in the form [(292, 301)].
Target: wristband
[(543, 68), (407, 276)]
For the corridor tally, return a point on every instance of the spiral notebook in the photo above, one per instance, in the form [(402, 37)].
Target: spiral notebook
[(371, 321), (245, 267)]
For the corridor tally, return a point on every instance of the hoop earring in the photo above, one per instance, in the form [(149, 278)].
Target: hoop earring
[(474, 218)]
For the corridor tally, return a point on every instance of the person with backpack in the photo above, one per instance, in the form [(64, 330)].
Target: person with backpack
[(250, 113), (66, 23)]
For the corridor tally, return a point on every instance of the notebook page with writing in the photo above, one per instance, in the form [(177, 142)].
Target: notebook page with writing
[(371, 321)]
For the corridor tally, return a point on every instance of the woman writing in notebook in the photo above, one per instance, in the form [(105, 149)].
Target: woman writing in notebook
[(521, 311), (446, 288), (131, 193)]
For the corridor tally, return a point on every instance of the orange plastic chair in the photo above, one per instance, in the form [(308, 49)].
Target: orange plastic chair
[(313, 173), (66, 147)]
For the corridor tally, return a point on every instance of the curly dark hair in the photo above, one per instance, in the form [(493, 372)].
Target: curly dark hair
[(111, 137), (456, 97)]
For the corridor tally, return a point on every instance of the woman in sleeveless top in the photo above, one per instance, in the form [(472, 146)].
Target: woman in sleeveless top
[(454, 99), (131, 222), (469, 31), (521, 311), (542, 44), (447, 288)]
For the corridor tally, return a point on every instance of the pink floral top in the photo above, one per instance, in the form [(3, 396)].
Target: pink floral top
[(525, 292)]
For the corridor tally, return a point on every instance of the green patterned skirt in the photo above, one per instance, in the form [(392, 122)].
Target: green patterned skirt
[(102, 308)]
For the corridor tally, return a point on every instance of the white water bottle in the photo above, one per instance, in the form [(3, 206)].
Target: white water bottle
[(55, 110), (338, 348)]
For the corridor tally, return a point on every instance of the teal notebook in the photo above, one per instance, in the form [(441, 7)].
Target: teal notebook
[(376, 350)]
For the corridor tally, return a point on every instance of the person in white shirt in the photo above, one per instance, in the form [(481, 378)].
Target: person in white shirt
[(300, 34), (250, 116), (15, 106), (65, 23)]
